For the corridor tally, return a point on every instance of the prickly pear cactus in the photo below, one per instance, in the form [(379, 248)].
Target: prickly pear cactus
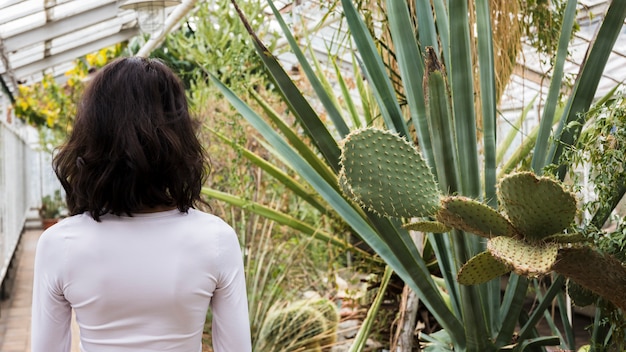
[(428, 226), (580, 296), (331, 313), (538, 207), (525, 258), (481, 268), (600, 273), (386, 174), (526, 238), (472, 216)]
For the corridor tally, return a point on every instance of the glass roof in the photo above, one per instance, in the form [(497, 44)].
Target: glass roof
[(529, 78), (47, 35)]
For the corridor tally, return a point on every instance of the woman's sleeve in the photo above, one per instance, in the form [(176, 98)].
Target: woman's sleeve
[(229, 304), (51, 313)]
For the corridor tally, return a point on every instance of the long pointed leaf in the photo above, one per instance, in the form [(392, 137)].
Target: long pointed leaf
[(322, 93), (411, 67), (443, 27), (347, 97), (375, 71), (427, 34), (296, 141), (488, 97), (365, 94), (281, 218), (299, 106), (557, 286), (364, 331), (300, 190), (511, 307), (541, 146), (459, 69)]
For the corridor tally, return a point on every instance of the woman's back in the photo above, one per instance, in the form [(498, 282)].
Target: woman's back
[(141, 283)]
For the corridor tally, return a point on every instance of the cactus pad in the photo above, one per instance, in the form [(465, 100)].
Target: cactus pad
[(576, 237), (581, 296), (388, 175), (481, 268), (537, 206), (526, 259), (427, 226), (601, 273), (472, 216), (343, 184)]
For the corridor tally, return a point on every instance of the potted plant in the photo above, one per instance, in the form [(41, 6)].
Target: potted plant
[(52, 207)]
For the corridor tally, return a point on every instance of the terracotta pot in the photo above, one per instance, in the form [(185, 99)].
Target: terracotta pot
[(48, 222)]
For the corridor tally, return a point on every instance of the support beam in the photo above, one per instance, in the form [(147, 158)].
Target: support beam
[(74, 53), (59, 28), (19, 10), (80, 7), (7, 70)]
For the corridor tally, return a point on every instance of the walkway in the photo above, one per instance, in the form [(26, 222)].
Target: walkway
[(15, 312)]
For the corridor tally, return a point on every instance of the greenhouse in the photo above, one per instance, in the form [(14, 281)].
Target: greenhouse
[(392, 175)]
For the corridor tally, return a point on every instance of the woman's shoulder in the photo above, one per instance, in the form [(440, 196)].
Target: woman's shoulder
[(202, 216), (57, 234), (209, 222), (70, 222)]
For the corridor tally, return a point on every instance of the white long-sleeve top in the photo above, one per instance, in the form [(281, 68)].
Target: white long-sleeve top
[(140, 283)]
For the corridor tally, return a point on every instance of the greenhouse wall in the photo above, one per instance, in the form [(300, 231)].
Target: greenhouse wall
[(19, 184)]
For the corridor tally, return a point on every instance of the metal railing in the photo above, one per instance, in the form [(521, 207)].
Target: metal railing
[(25, 176), (16, 163)]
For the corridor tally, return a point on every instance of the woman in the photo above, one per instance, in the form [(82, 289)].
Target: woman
[(135, 261)]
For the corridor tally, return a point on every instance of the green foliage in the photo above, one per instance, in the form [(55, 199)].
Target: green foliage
[(52, 206), (52, 105), (213, 39), (600, 149), (543, 23)]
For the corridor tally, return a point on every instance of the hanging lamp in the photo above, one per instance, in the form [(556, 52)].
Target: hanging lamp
[(150, 13)]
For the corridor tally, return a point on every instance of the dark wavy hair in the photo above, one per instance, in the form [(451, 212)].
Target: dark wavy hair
[(133, 144)]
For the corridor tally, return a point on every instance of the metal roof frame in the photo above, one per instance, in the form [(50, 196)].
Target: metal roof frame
[(38, 36)]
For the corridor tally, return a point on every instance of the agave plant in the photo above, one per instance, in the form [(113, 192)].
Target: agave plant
[(438, 85)]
